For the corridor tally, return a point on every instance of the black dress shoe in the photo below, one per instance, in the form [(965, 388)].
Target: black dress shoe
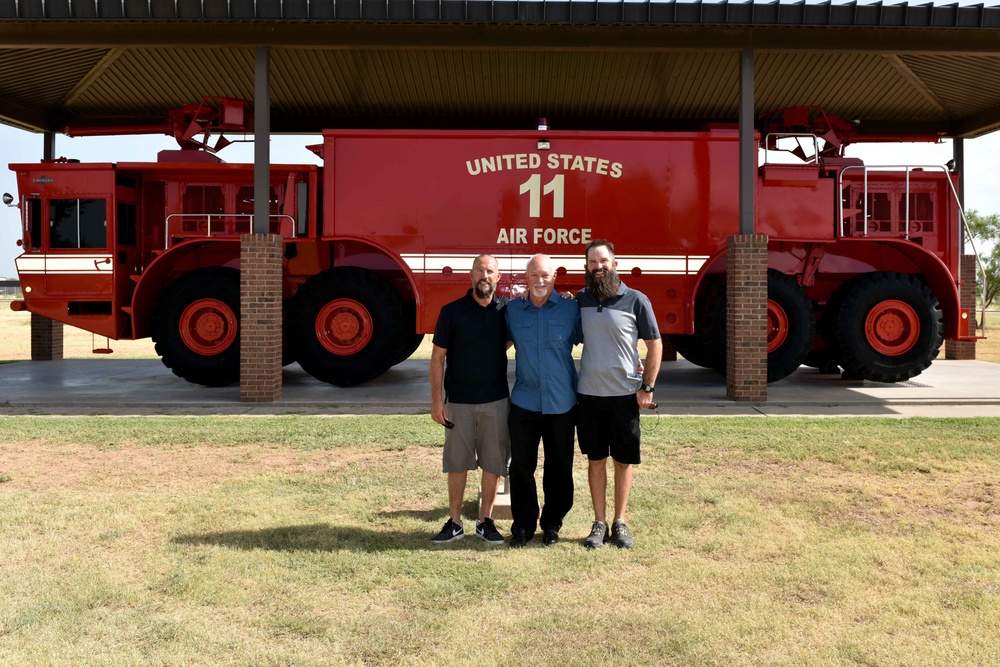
[(550, 537), (518, 538)]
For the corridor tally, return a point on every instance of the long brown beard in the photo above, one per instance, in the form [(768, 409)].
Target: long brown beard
[(603, 287)]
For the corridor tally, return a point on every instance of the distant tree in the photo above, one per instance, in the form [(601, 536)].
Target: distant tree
[(985, 231), (991, 266)]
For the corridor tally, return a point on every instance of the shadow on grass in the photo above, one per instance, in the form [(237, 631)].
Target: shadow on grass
[(315, 537), (326, 537)]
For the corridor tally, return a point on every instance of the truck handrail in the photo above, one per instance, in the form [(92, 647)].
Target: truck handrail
[(227, 221), (909, 168)]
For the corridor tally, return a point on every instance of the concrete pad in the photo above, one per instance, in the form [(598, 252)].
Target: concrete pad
[(144, 386)]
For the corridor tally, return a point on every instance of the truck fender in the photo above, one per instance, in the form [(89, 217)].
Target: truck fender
[(935, 273), (155, 276), (358, 247), (714, 265)]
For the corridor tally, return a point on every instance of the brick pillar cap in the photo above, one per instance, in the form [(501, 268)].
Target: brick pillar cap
[(747, 238)]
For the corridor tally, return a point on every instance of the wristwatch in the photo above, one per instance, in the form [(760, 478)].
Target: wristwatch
[(648, 388)]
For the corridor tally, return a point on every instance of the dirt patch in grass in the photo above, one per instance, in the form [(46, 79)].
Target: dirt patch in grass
[(46, 466), (864, 499)]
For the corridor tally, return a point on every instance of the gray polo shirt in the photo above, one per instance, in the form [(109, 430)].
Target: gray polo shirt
[(611, 332)]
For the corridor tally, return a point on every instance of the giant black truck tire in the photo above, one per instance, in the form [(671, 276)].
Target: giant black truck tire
[(347, 326), (699, 348), (691, 349), (889, 327), (410, 341), (410, 344), (196, 327), (791, 326)]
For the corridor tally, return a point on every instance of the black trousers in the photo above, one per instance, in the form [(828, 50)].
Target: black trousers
[(556, 434)]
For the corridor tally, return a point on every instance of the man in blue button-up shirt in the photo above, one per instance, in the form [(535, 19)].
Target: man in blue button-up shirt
[(544, 329)]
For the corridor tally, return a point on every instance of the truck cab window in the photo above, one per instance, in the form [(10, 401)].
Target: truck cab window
[(78, 223)]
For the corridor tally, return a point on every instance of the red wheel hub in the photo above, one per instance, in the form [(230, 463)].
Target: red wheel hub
[(208, 327), (344, 326), (892, 327), (777, 326)]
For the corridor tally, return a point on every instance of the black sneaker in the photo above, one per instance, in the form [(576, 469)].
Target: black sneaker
[(452, 531), (598, 536), (550, 537), (620, 535), (487, 531)]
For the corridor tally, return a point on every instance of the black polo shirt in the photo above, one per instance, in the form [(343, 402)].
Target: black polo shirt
[(475, 338)]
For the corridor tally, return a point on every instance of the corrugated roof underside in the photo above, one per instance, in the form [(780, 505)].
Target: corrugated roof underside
[(504, 83), (144, 81), (442, 83), (855, 84), (42, 78), (431, 83), (969, 84)]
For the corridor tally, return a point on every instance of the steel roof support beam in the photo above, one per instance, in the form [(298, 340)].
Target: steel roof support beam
[(748, 152), (262, 141), (958, 153)]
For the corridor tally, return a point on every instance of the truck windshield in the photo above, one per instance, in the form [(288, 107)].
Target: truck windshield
[(78, 223)]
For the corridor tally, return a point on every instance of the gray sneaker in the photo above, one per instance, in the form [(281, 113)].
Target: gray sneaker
[(620, 535), (598, 536)]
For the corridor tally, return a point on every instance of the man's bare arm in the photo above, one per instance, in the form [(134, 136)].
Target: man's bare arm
[(651, 369), (438, 411)]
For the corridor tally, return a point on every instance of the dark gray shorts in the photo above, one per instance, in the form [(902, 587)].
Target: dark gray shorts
[(479, 439)]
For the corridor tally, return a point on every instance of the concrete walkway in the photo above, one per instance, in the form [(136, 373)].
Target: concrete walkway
[(144, 386)]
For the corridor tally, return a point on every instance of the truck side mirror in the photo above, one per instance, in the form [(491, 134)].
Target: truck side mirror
[(7, 199)]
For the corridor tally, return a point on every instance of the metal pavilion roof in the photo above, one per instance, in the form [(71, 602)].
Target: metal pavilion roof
[(448, 63)]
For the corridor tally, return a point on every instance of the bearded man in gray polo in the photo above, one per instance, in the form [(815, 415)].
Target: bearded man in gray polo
[(610, 391)]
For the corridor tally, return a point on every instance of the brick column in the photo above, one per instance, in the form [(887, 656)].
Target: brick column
[(260, 317), (746, 318), (46, 339), (954, 349)]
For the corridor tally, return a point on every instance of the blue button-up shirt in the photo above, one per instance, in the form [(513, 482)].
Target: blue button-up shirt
[(545, 375)]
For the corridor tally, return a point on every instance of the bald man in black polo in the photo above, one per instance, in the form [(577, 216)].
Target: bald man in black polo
[(471, 335)]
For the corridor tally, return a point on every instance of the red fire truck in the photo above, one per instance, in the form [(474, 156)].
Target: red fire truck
[(863, 263)]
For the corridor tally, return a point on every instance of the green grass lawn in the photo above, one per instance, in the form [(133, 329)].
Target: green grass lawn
[(304, 541)]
